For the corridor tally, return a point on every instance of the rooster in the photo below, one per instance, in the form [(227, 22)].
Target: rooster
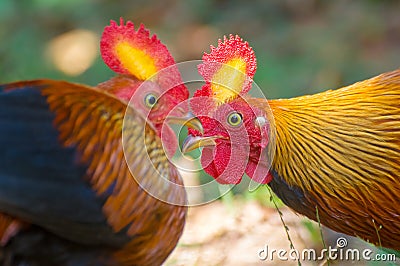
[(333, 156), (84, 178)]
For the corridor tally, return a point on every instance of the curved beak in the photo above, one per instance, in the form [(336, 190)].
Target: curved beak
[(192, 142), (188, 120)]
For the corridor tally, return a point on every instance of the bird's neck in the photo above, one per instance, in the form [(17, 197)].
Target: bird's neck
[(334, 141), (337, 156), (341, 146)]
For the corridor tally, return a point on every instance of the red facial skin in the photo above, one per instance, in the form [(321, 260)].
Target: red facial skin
[(241, 147), (168, 104)]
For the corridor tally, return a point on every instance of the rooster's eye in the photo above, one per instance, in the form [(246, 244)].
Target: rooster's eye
[(150, 100), (235, 119)]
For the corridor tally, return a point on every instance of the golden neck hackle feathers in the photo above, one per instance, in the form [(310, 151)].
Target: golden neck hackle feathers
[(342, 147)]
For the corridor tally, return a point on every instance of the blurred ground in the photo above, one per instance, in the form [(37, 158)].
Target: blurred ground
[(217, 235)]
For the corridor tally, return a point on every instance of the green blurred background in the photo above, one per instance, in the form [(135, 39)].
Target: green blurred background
[(302, 46)]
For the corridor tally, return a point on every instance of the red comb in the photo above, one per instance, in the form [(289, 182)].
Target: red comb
[(227, 50), (142, 56), (116, 34)]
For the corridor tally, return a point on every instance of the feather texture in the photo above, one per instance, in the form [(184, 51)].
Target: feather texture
[(342, 149), (80, 188)]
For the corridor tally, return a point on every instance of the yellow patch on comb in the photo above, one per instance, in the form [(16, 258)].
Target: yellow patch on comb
[(228, 81), (136, 61)]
